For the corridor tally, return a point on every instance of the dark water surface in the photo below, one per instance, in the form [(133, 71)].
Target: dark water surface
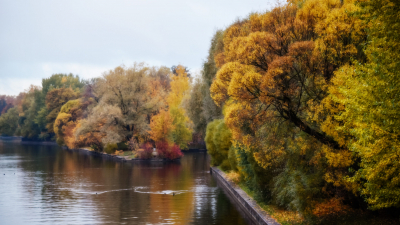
[(53, 186)]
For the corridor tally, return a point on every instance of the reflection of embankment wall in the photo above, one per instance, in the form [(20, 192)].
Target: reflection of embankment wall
[(247, 205)]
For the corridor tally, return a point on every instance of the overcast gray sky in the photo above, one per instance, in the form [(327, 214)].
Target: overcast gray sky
[(87, 37)]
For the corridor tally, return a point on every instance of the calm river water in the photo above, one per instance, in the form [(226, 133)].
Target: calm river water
[(47, 185)]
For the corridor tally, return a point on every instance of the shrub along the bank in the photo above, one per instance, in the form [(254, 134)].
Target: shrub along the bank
[(110, 148), (147, 151), (218, 141), (168, 151)]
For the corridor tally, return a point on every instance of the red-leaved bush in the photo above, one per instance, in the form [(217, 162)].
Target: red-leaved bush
[(147, 151), (164, 150), (174, 152)]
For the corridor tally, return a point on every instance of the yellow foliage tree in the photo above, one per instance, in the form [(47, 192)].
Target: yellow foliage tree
[(275, 72), (161, 127), (368, 118), (180, 87), (277, 66)]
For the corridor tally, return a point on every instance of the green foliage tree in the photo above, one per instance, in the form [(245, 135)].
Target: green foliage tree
[(32, 103), (181, 133), (211, 111), (218, 141), (62, 81), (3, 104), (9, 122), (194, 108)]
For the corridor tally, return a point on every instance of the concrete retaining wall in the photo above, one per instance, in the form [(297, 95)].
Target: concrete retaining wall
[(253, 212)]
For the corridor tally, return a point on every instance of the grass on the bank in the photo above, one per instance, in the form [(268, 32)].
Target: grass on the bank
[(130, 154), (286, 217)]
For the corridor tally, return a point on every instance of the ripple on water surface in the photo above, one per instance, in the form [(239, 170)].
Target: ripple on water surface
[(46, 185)]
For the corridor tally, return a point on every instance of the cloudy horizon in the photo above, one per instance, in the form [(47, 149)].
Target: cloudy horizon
[(87, 38)]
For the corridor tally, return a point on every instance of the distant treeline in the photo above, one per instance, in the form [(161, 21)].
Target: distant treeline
[(133, 107)]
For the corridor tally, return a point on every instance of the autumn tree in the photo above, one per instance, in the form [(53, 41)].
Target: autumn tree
[(368, 114), (161, 127), (35, 118), (274, 73), (180, 87), (55, 99), (162, 75), (271, 68), (6, 103), (68, 121), (175, 70), (128, 97)]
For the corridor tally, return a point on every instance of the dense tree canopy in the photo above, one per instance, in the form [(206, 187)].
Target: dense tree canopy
[(127, 99), (9, 122), (369, 95), (309, 93), (38, 107)]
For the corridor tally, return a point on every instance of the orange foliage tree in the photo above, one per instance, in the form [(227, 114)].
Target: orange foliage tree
[(161, 127), (275, 71)]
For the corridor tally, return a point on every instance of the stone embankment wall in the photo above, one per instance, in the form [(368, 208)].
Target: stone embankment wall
[(247, 205)]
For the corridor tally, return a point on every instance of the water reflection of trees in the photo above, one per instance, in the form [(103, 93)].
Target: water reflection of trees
[(68, 181)]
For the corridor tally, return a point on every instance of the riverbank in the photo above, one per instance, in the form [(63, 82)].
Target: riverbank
[(242, 196), (247, 204)]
